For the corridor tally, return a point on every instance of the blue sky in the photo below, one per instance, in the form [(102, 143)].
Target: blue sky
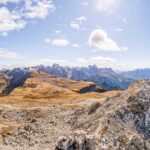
[(108, 33)]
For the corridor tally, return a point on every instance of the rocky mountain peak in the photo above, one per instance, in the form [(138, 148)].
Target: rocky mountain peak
[(124, 120), (127, 118)]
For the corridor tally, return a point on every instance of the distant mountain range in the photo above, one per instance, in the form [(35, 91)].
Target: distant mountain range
[(18, 79), (137, 74), (105, 78)]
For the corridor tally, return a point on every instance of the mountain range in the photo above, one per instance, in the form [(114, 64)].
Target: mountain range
[(106, 78), (137, 74)]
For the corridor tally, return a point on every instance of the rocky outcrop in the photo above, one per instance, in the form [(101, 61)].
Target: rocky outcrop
[(17, 77), (10, 79), (4, 79), (124, 120), (75, 142), (91, 88)]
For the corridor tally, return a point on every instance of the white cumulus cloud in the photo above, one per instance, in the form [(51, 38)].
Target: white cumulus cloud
[(38, 9), (101, 41), (10, 21), (16, 17)]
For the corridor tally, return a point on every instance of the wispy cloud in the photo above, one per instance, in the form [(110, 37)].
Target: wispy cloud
[(48, 61), (102, 62), (57, 42), (76, 45), (106, 5), (119, 29), (4, 53), (99, 60), (123, 19), (76, 24), (85, 3), (9, 1), (57, 31)]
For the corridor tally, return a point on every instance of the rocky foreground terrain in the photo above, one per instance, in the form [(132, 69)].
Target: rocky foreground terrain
[(123, 123), (45, 113)]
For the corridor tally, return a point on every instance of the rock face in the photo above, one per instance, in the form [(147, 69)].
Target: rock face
[(124, 123), (137, 110), (76, 143), (17, 77), (91, 88), (10, 79)]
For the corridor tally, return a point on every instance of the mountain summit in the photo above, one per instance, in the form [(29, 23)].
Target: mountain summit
[(123, 122)]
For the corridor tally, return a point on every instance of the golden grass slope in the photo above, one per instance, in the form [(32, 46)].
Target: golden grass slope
[(42, 88)]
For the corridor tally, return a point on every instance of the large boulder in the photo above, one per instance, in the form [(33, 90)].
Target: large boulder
[(76, 142)]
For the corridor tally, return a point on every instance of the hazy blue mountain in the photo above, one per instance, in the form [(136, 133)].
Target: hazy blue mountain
[(104, 77), (137, 74)]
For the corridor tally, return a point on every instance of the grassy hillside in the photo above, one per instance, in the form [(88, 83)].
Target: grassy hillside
[(41, 88)]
